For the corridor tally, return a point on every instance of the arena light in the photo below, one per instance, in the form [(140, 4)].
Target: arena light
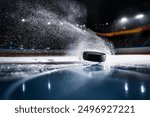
[(23, 20), (124, 20), (139, 16)]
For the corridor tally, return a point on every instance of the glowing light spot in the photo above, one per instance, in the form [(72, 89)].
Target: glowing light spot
[(49, 86), (124, 20), (61, 23), (48, 23), (23, 20), (139, 16), (84, 25), (126, 87), (23, 87), (47, 48), (142, 89), (77, 25)]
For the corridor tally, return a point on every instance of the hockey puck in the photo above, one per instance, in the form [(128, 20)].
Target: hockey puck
[(94, 56)]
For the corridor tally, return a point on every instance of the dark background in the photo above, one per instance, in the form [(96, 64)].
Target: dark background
[(98, 11), (103, 11)]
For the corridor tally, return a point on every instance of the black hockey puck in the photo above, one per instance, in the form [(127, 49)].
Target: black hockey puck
[(94, 56)]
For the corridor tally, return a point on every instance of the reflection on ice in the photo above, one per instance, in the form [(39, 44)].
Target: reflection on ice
[(49, 85), (78, 82), (91, 80), (142, 88), (23, 87), (126, 87), (18, 71)]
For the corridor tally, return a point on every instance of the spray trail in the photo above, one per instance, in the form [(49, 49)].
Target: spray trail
[(55, 25)]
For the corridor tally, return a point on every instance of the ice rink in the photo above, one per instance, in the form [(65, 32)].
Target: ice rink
[(68, 77)]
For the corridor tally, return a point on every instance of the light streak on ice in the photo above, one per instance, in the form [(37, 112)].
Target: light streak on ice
[(23, 87), (142, 88), (128, 60), (40, 59), (126, 87), (49, 86)]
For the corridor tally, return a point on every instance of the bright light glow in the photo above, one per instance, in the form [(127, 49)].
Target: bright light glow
[(47, 48), (139, 16), (35, 59), (84, 30), (83, 25), (48, 23), (61, 23), (142, 89), (126, 87), (23, 87), (106, 23), (23, 20), (128, 60), (77, 25), (124, 20), (49, 86)]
